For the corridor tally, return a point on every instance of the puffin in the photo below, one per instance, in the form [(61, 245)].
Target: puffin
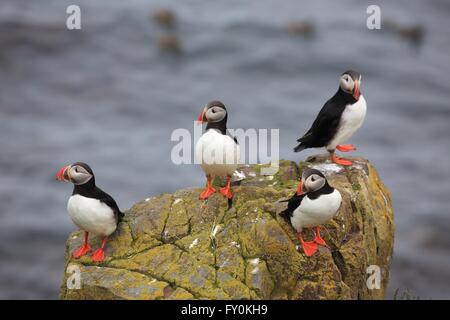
[(91, 209), (217, 152), (314, 204), (338, 120)]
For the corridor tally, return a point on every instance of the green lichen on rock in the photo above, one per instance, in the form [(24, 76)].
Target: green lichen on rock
[(174, 246)]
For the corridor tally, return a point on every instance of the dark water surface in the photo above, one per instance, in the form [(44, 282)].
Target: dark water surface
[(107, 95)]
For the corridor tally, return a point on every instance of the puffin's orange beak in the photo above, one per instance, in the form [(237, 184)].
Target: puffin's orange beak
[(63, 174), (300, 189), (201, 117), (356, 92)]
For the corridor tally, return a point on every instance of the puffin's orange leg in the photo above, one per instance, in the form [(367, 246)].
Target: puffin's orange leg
[(346, 147), (226, 191), (208, 191), (99, 254), (309, 247), (337, 160), (85, 248), (318, 239)]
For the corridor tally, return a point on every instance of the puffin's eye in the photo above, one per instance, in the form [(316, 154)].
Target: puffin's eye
[(76, 169), (213, 110), (312, 179)]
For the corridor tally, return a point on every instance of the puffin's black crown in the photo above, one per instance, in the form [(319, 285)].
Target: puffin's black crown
[(352, 73), (310, 172), (85, 166), (216, 103)]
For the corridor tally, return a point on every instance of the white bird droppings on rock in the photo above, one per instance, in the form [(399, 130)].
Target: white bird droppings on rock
[(254, 261), (255, 271), (215, 231), (238, 176), (234, 243), (193, 244), (255, 220), (328, 168), (223, 264), (177, 201)]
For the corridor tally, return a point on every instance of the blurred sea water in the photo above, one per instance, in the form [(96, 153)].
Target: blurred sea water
[(108, 96)]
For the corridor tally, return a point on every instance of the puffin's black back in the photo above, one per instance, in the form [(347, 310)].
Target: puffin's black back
[(90, 190), (295, 201), (326, 123), (293, 204)]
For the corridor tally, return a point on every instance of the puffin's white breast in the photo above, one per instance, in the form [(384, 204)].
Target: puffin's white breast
[(314, 212), (91, 215), (217, 153), (351, 120)]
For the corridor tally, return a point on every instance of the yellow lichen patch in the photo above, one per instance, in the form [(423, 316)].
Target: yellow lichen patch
[(108, 283), (199, 246), (232, 287), (156, 261), (180, 294), (200, 279), (149, 217), (258, 278)]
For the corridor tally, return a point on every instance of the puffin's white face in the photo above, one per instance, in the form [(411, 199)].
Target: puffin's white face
[(79, 175), (350, 85), (313, 182), (213, 112), (76, 173), (346, 83)]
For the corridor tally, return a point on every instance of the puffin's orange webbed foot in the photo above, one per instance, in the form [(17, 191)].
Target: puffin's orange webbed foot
[(85, 248), (341, 161), (226, 191), (208, 191), (318, 239), (346, 147), (99, 254), (81, 251), (309, 247)]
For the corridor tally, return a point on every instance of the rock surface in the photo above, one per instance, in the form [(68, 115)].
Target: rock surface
[(174, 246)]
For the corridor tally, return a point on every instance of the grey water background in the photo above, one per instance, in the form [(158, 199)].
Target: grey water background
[(107, 95)]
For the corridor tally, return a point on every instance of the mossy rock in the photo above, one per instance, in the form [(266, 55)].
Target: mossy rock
[(175, 246)]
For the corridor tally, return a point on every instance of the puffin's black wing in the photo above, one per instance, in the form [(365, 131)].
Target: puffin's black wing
[(232, 137), (110, 202), (324, 126), (293, 203)]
